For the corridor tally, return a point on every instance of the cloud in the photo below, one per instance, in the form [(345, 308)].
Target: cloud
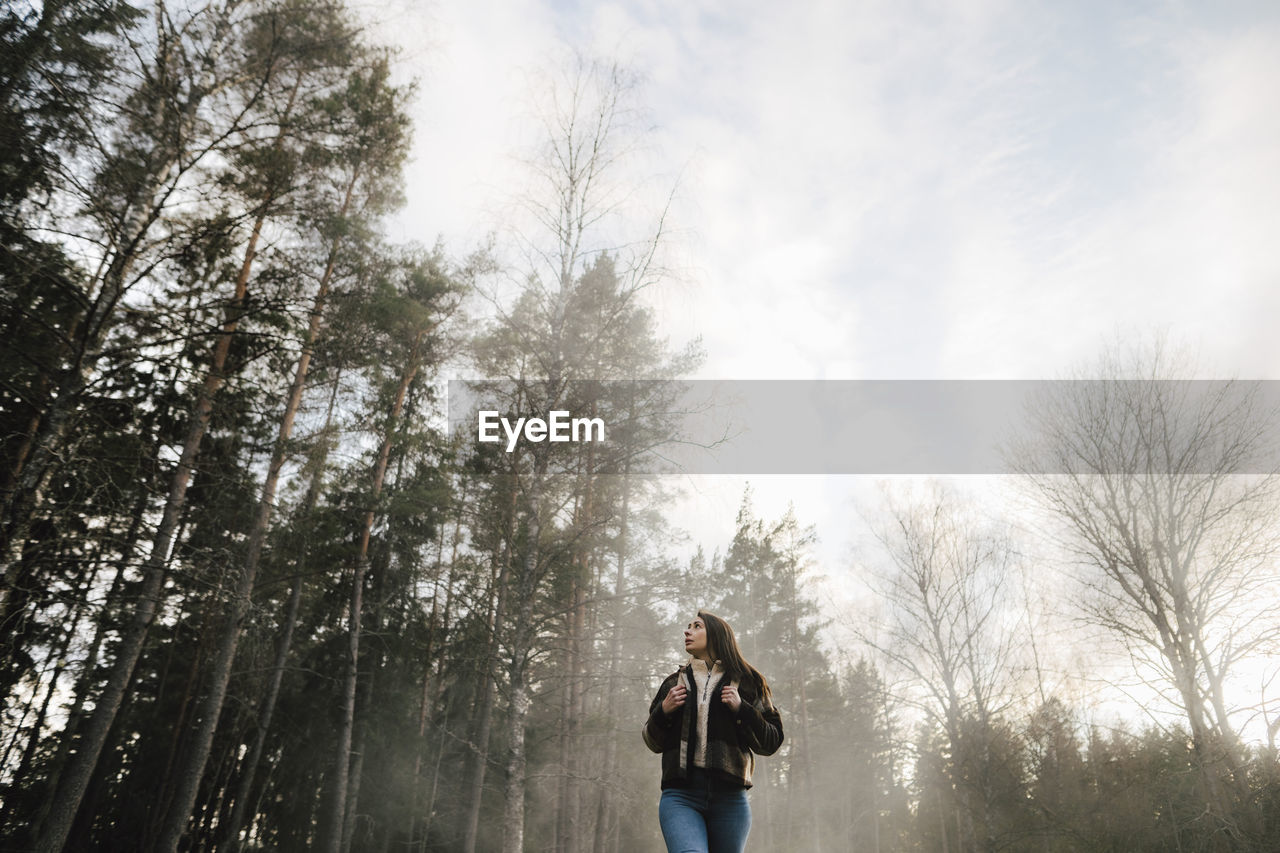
[(1163, 224), (912, 189)]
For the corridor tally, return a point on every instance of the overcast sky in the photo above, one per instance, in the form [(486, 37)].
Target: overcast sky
[(896, 189), (908, 190)]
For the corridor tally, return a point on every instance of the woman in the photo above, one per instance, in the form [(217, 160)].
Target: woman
[(708, 718)]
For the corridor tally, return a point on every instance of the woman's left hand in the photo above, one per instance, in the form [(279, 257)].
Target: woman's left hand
[(729, 696)]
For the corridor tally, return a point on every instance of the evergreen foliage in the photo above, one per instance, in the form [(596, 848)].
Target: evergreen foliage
[(254, 598)]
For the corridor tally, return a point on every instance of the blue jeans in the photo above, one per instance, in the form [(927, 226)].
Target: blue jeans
[(704, 818)]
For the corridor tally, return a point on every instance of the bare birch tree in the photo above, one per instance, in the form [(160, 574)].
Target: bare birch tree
[(566, 223), (945, 599), (1169, 506)]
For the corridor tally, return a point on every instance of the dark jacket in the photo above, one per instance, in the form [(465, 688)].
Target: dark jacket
[(731, 737)]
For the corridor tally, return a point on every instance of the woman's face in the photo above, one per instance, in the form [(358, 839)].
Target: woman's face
[(695, 638)]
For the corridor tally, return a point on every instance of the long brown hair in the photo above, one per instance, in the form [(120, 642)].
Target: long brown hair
[(723, 646)]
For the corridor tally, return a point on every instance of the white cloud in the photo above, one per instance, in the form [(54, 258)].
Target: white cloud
[(1172, 230), (909, 189)]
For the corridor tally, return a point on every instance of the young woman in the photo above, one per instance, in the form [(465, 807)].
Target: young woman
[(708, 718)]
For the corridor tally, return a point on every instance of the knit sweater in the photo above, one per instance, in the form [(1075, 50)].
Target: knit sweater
[(707, 678), (732, 739)]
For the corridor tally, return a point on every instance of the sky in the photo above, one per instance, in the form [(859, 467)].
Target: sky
[(898, 190), (907, 190)]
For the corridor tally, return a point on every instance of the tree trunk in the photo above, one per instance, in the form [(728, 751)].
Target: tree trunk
[(359, 743), (578, 830), (565, 791), (16, 734), (67, 799), (75, 715), (334, 820), (34, 739), (484, 712), (231, 834), (806, 755), (244, 790), (242, 597), (606, 811), (429, 696), (521, 645), (160, 795), (572, 724), (513, 814), (365, 700)]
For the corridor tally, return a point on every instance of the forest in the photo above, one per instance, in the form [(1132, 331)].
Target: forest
[(256, 597)]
